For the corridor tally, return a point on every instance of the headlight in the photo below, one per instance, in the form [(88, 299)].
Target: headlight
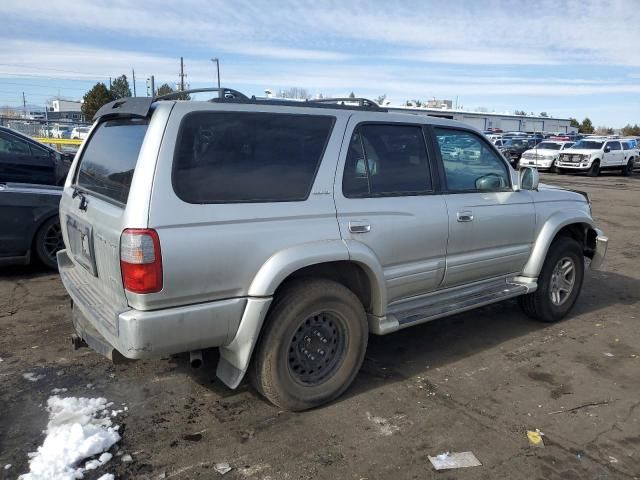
[(586, 156)]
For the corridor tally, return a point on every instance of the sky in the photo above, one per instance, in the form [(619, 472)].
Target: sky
[(571, 58)]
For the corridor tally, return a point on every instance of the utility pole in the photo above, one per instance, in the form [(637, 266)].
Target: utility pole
[(217, 68), (24, 105), (181, 74), (133, 79), (109, 83), (153, 86)]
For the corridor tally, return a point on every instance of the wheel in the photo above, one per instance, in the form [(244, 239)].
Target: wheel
[(559, 282), (554, 167), (594, 171), (312, 345), (627, 170), (48, 241), (560, 171)]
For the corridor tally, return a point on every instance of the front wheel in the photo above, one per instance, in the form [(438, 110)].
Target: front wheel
[(627, 170), (554, 167), (559, 282), (312, 345), (594, 171)]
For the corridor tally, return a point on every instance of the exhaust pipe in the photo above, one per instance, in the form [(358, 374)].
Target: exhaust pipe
[(195, 358)]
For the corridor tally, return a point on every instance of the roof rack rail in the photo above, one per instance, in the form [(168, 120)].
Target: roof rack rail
[(222, 93), (362, 102)]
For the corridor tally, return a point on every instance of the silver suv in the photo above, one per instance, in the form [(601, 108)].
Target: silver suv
[(285, 233)]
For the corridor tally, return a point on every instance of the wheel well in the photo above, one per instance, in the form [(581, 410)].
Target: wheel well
[(349, 274), (582, 233)]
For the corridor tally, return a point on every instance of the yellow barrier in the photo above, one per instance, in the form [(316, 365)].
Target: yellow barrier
[(59, 142)]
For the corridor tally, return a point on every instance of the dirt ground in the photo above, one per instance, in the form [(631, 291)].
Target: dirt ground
[(473, 382)]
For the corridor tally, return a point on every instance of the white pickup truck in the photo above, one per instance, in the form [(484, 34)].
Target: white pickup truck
[(595, 155)]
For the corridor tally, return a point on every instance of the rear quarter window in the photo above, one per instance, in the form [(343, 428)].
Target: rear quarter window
[(235, 157), (110, 156)]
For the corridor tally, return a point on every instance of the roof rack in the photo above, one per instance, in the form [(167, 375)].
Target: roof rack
[(362, 102), (222, 93)]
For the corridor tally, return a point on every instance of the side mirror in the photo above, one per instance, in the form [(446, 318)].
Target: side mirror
[(607, 149), (529, 178)]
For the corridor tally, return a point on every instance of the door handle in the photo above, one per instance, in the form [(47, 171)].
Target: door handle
[(465, 216), (359, 227)]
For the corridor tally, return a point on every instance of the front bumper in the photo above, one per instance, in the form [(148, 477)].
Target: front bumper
[(575, 165), (145, 334), (600, 251), (539, 164)]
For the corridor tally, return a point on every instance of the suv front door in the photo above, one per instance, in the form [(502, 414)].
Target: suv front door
[(387, 200), (491, 226)]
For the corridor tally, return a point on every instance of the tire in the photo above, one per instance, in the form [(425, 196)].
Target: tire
[(594, 171), (539, 305), (560, 171), (48, 241), (284, 371), (627, 170), (554, 167)]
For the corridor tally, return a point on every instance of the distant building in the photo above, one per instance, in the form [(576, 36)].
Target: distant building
[(436, 103), (68, 110), (486, 121)]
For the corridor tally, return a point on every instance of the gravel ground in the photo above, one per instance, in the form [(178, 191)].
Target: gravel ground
[(472, 382)]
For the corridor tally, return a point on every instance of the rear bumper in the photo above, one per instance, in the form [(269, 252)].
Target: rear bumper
[(602, 242), (145, 334)]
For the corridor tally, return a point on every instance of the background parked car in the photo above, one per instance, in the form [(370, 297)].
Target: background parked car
[(593, 155), (30, 225), (79, 133), (61, 131), (545, 155), (514, 147), (25, 160)]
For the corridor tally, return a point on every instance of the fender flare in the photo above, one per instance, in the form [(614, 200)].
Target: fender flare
[(548, 233), (235, 356)]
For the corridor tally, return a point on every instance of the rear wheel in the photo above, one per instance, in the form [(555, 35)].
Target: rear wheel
[(594, 171), (312, 345), (559, 282), (48, 242), (627, 170)]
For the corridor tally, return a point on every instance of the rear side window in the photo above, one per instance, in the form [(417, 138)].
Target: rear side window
[(235, 157), (386, 160), (110, 157)]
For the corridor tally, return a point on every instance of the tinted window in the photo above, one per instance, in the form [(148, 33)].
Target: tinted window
[(626, 146), (549, 146), (386, 160), (232, 157), (614, 145), (11, 144), (39, 152), (110, 157), (469, 163)]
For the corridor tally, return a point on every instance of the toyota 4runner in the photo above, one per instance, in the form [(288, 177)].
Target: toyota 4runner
[(286, 232)]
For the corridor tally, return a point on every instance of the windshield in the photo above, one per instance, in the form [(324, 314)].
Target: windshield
[(549, 146), (588, 145)]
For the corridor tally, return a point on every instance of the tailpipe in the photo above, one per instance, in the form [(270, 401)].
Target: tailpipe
[(195, 358)]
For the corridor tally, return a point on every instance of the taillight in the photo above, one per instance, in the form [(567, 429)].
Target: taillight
[(140, 260)]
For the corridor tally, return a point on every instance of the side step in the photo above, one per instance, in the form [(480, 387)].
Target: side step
[(448, 302)]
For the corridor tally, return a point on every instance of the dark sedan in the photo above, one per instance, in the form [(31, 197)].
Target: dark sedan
[(31, 175), (25, 160), (513, 149)]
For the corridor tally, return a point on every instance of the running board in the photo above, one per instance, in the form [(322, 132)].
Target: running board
[(448, 302)]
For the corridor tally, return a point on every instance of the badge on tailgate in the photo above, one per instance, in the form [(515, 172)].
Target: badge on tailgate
[(81, 243)]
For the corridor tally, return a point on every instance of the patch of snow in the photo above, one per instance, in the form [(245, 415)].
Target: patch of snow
[(58, 390), (32, 377), (106, 476), (7, 466), (78, 428), (1, 359), (222, 468), (126, 458), (386, 428)]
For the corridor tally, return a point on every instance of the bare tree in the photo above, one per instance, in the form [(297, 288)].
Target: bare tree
[(381, 98)]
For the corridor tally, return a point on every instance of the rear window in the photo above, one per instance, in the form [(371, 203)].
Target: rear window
[(110, 157), (234, 157)]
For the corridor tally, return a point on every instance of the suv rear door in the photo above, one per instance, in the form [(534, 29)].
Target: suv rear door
[(387, 198), (615, 156), (491, 226), (108, 191)]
